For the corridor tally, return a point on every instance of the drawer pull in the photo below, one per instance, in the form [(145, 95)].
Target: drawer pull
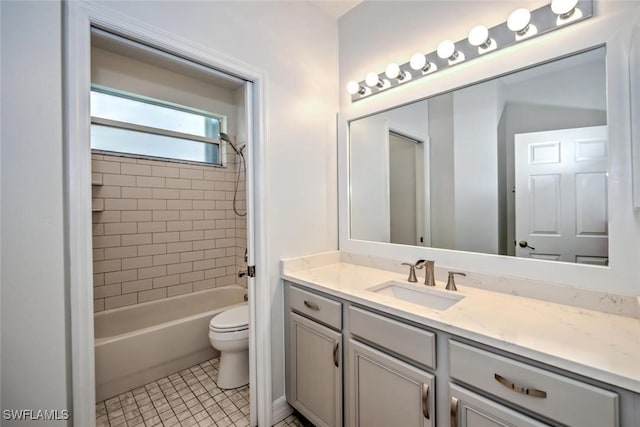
[(425, 400), (311, 305), (453, 409), (519, 389), (336, 361)]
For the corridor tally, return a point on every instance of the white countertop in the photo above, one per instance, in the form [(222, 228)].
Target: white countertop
[(598, 345)]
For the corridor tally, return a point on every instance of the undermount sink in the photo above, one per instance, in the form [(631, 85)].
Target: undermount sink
[(426, 297)]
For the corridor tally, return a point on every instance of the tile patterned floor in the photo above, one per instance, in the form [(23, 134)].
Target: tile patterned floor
[(187, 398)]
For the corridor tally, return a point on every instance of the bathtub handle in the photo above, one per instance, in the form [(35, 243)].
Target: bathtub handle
[(336, 360), (311, 305)]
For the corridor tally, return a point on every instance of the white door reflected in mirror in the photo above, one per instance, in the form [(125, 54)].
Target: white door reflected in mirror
[(561, 195)]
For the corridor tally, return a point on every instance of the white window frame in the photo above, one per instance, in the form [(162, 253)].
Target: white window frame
[(222, 121)]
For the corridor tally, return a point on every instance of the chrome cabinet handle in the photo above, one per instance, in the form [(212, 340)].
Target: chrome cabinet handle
[(453, 409), (336, 361), (311, 305), (519, 389), (425, 400)]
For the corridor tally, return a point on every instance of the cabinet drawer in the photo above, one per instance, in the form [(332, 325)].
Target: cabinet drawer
[(316, 307), (556, 397), (403, 339)]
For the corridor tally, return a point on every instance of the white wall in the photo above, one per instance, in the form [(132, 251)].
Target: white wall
[(366, 45), (370, 174), (293, 42), (34, 340), (369, 180), (443, 207), (120, 72), (475, 162)]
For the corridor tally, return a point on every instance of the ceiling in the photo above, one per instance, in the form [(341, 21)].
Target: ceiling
[(335, 8)]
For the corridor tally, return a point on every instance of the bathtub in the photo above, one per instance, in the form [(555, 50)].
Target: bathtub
[(141, 343)]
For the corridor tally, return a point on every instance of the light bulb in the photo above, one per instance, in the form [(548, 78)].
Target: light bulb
[(447, 50), (372, 80), (418, 61), (393, 72), (479, 36), (563, 8), (519, 20), (354, 87)]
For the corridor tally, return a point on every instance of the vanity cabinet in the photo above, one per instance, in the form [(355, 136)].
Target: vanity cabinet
[(390, 369), (383, 389), (554, 397), (314, 357)]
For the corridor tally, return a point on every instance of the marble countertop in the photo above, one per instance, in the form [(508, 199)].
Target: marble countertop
[(598, 345)]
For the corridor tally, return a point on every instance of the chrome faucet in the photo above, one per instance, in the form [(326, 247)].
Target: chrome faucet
[(451, 283), (429, 267), (412, 269)]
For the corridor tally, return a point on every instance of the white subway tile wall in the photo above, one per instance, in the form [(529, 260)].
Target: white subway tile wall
[(162, 229)]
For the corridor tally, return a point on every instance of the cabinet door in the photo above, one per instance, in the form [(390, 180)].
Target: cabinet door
[(385, 391), (471, 410), (315, 371)]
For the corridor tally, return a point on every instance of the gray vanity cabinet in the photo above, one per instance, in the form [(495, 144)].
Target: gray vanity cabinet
[(314, 357), (471, 410), (386, 384), (384, 391)]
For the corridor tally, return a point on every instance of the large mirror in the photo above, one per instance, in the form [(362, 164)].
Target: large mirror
[(514, 166)]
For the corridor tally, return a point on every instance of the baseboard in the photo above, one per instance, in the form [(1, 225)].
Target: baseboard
[(280, 410)]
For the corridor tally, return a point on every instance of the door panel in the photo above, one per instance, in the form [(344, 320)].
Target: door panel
[(561, 195), (385, 391), (315, 372)]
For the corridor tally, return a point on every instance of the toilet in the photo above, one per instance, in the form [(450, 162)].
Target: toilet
[(229, 334)]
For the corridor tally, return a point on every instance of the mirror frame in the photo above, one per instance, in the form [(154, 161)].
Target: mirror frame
[(615, 33)]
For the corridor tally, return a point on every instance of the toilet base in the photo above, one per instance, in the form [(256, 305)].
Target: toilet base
[(233, 371)]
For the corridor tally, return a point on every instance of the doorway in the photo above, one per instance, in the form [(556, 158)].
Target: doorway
[(408, 189), (79, 20)]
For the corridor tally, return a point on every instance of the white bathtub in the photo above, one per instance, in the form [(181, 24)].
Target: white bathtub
[(141, 343)]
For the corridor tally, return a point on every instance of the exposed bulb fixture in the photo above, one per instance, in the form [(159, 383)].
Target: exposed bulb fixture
[(354, 87), (479, 37), (520, 23), (419, 62), (566, 11), (372, 80), (564, 8), (447, 50), (393, 71)]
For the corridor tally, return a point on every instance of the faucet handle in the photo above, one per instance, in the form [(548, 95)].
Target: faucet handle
[(412, 272), (451, 283)]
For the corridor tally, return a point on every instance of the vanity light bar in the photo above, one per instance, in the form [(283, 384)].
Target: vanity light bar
[(521, 25)]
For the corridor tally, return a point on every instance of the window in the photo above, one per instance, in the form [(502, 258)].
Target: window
[(134, 124)]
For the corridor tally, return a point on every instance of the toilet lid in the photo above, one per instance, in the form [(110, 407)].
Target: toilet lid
[(233, 319)]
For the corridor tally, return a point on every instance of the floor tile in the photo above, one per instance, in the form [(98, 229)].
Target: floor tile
[(186, 398)]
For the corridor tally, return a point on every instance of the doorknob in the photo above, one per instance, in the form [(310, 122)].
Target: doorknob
[(525, 244)]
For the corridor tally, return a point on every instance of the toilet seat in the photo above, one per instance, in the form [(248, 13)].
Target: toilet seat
[(233, 320)]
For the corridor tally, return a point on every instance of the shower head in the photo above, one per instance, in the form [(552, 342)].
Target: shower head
[(224, 137)]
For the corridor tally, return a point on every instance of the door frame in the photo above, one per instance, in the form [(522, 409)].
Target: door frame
[(78, 18)]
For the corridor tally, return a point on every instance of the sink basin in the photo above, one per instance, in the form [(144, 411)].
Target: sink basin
[(426, 297)]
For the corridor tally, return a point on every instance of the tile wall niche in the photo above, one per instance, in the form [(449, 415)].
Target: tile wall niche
[(162, 229)]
